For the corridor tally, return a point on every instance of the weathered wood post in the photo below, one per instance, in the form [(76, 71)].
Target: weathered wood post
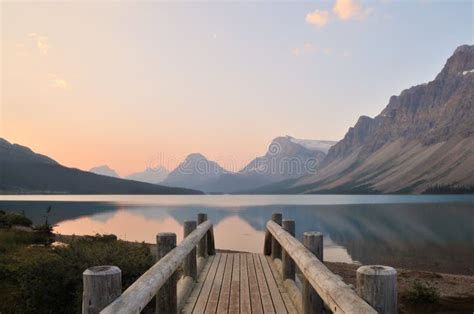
[(166, 296), (102, 285), (276, 248), (377, 285), (211, 248), (287, 262), (190, 263), (202, 246), (267, 243), (312, 303)]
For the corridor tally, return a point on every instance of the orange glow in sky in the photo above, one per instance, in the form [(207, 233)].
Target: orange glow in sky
[(145, 84)]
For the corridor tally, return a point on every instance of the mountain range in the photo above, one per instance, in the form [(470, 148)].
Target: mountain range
[(423, 141), (104, 170), (149, 175), (286, 158), (24, 171)]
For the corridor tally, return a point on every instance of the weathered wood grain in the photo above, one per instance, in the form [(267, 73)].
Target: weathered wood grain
[(190, 302), (234, 300), (377, 285), (339, 297), (262, 286), (206, 288), (102, 285), (225, 288), (292, 302), (137, 296), (190, 262), (213, 300), (255, 299), (202, 245), (166, 296), (288, 269), (276, 247), (312, 302), (245, 304), (275, 294)]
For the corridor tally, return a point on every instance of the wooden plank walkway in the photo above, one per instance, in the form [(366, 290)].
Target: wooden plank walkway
[(238, 283)]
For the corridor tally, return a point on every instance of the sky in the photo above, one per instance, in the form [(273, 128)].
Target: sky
[(138, 84)]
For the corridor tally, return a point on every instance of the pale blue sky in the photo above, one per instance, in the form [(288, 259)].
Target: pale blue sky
[(119, 83)]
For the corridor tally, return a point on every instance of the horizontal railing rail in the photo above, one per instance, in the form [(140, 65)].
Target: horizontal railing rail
[(336, 295), (137, 296)]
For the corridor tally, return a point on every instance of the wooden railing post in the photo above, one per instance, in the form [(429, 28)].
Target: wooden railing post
[(211, 248), (312, 303), (377, 285), (102, 285), (190, 263), (166, 296), (267, 243), (276, 248), (202, 246), (287, 262)]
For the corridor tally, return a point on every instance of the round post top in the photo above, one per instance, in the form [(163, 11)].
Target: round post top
[(101, 270), (312, 234), (166, 234), (376, 270)]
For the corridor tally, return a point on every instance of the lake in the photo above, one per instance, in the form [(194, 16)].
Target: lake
[(427, 232)]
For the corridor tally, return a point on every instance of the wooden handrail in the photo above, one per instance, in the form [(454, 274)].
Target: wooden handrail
[(137, 296), (336, 295)]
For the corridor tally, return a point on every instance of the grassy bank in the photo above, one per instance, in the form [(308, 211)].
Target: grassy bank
[(37, 277)]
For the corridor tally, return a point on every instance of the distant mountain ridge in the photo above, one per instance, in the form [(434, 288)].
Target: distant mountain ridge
[(104, 170), (286, 157), (422, 139), (194, 172), (24, 171), (150, 175)]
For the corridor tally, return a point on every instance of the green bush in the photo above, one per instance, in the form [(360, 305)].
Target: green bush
[(422, 293), (49, 280), (11, 239), (11, 219)]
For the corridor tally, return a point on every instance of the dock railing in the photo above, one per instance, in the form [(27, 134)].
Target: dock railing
[(322, 290), (102, 291)]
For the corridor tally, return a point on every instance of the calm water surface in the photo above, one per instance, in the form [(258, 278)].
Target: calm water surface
[(433, 232)]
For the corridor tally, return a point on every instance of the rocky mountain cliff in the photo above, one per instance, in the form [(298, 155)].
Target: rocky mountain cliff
[(424, 138)]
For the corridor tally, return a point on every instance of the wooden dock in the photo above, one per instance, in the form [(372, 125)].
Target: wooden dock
[(240, 282)]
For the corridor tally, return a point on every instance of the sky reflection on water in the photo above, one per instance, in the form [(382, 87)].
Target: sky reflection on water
[(407, 231)]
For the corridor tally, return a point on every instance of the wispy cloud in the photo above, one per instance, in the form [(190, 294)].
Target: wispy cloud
[(59, 82), (317, 18), (307, 48), (351, 9), (310, 49), (41, 42), (343, 10)]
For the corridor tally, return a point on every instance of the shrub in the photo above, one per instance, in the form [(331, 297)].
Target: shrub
[(11, 240), (422, 293), (10, 219), (49, 280)]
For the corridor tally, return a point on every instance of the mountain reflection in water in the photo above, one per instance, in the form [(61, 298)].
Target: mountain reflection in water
[(437, 236)]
